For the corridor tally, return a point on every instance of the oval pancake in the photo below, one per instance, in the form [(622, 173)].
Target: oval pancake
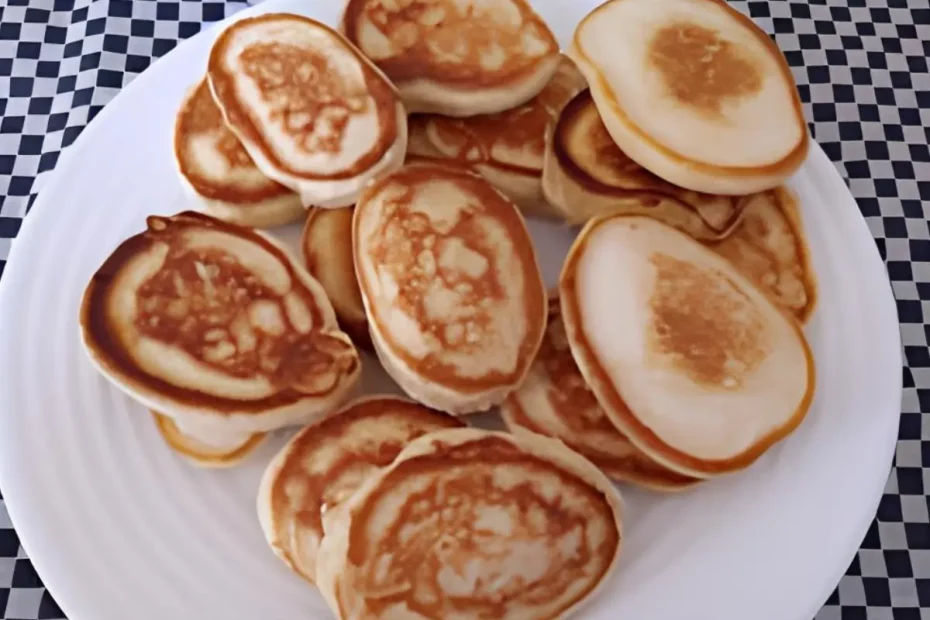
[(217, 327), (694, 92), (451, 286), (456, 57), (586, 174), (468, 524), (227, 452), (688, 358), (769, 247), (507, 148), (308, 107), (555, 401), (216, 169), (325, 463), (327, 249)]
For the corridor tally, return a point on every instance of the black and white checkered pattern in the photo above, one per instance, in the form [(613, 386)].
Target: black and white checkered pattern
[(862, 69)]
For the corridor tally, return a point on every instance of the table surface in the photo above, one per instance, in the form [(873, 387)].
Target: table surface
[(861, 66)]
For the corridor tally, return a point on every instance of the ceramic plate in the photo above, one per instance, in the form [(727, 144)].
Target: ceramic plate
[(120, 527)]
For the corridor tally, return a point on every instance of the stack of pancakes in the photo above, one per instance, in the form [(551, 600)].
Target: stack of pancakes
[(414, 143)]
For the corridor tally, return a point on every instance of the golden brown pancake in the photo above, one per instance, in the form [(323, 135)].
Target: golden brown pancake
[(214, 167), (555, 401), (586, 175), (217, 327), (694, 92), (419, 145), (769, 247), (451, 285), (327, 248), (506, 148), (203, 454), (472, 524), (689, 359), (308, 107), (456, 57), (326, 462)]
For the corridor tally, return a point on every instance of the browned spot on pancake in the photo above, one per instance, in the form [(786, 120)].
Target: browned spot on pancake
[(704, 324), (700, 69), (305, 93), (476, 504), (412, 249), (453, 40), (206, 303)]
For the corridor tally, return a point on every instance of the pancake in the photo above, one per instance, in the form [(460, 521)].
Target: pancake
[(586, 175), (769, 247), (216, 169), (451, 286), (228, 453), (456, 57), (326, 462), (469, 524), (419, 145), (327, 249), (688, 358), (313, 113), (507, 148), (555, 401), (218, 328), (694, 92)]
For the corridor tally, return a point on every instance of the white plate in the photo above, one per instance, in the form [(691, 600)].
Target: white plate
[(119, 527)]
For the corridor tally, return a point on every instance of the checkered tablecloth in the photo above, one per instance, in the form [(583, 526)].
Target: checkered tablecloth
[(861, 66)]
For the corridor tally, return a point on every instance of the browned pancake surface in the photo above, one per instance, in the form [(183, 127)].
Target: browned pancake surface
[(458, 256), (205, 303), (303, 89), (458, 42), (453, 502), (199, 118)]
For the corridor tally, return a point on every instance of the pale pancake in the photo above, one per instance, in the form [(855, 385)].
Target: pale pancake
[(313, 113), (456, 57), (694, 92), (586, 175), (507, 148), (227, 453), (555, 401), (451, 285), (769, 247), (327, 249), (690, 360), (325, 463), (473, 524), (216, 169), (217, 327)]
